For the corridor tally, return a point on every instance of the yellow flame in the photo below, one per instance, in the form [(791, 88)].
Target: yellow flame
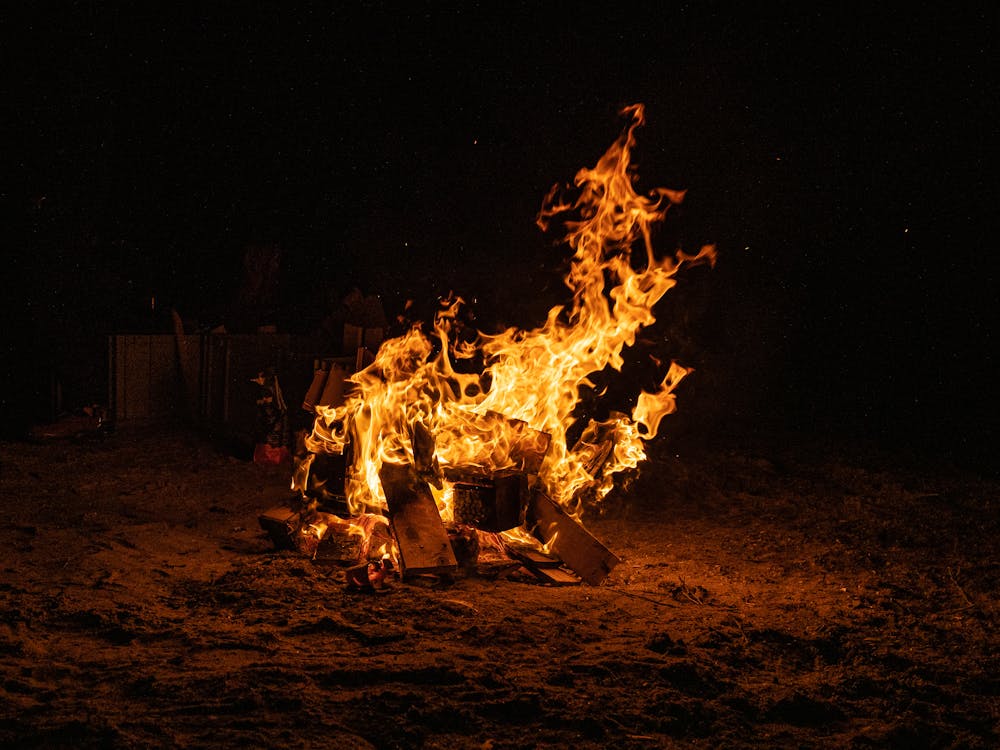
[(651, 408), (532, 379)]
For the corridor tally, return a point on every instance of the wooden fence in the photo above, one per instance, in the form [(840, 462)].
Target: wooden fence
[(204, 380)]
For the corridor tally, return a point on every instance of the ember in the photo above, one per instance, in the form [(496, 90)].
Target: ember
[(428, 445)]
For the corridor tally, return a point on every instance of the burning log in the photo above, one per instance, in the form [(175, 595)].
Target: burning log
[(421, 538), (304, 531), (323, 536), (568, 539), (375, 535)]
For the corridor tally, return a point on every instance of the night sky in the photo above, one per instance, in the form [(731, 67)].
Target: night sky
[(837, 159)]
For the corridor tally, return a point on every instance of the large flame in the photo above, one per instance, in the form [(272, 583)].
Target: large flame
[(531, 382)]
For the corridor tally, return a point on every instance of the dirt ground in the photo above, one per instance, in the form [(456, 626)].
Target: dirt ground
[(770, 595)]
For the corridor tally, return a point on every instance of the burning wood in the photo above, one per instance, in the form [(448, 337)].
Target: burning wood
[(327, 537), (420, 535), (433, 445), (329, 386), (465, 544), (568, 539)]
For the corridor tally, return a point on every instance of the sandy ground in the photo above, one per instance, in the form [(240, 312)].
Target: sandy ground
[(769, 596)]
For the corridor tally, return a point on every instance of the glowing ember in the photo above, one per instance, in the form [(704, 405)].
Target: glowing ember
[(411, 407)]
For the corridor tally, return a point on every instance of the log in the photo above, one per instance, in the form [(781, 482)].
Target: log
[(421, 538), (568, 539), (377, 538)]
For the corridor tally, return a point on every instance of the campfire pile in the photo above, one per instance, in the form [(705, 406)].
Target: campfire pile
[(412, 537), (420, 467)]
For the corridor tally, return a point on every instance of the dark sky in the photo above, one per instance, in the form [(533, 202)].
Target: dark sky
[(837, 158)]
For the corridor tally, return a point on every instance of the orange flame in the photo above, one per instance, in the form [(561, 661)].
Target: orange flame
[(532, 379)]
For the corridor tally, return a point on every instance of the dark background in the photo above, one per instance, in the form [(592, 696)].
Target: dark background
[(836, 158)]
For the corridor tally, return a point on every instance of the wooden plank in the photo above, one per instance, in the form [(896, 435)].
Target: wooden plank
[(315, 388), (163, 377), (421, 537), (546, 568), (568, 539), (533, 558), (136, 366), (556, 576), (336, 386)]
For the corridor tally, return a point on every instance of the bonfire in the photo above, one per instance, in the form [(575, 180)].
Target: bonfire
[(440, 462)]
